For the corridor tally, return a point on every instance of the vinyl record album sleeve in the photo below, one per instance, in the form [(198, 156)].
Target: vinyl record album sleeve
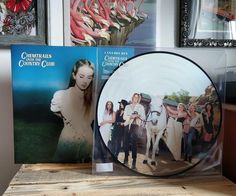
[(159, 114)]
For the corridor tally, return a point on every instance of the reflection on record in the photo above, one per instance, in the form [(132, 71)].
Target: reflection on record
[(159, 114)]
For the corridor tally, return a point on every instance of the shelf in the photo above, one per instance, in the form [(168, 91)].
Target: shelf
[(74, 179)]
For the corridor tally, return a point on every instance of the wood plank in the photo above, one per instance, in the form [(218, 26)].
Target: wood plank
[(52, 166), (39, 174), (229, 158), (229, 107), (77, 179), (130, 186)]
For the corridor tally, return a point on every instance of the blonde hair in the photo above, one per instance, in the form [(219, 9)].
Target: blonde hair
[(193, 105), (139, 97), (182, 104)]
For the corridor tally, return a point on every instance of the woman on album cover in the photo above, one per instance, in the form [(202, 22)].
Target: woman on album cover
[(195, 126), (107, 121), (175, 129), (134, 114), (118, 132), (208, 118), (75, 106)]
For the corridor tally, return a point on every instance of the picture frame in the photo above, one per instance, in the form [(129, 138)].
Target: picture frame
[(23, 23), (207, 23), (86, 25)]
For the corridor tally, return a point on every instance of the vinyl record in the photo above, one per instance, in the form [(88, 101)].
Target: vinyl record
[(159, 114)]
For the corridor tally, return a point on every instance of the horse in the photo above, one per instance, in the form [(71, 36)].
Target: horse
[(156, 123)]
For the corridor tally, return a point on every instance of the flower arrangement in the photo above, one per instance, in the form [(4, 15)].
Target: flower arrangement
[(17, 17), (104, 22)]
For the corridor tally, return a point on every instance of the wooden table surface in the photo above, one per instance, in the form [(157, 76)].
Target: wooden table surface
[(77, 179)]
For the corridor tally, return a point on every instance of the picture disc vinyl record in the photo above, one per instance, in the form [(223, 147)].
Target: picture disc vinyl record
[(159, 114)]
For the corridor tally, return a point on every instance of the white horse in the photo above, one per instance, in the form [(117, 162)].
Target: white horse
[(155, 125)]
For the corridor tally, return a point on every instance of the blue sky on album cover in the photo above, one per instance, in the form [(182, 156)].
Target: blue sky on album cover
[(39, 71), (39, 67)]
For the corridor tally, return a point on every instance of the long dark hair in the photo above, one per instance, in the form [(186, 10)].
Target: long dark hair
[(211, 110), (88, 93), (106, 107)]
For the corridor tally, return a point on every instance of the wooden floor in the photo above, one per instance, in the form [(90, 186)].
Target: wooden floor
[(74, 179)]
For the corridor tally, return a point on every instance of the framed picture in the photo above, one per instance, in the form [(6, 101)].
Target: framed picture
[(22, 22), (92, 23), (208, 23)]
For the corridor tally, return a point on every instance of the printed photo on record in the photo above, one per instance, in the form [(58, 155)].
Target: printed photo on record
[(156, 117)]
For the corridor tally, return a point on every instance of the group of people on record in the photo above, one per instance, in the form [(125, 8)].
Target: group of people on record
[(183, 125), (74, 106), (188, 125), (127, 120)]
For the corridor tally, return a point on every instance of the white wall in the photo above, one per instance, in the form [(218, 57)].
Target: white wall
[(167, 34), (7, 167), (166, 23)]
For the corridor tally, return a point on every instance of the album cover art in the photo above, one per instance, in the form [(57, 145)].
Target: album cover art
[(110, 22), (159, 114), (54, 95)]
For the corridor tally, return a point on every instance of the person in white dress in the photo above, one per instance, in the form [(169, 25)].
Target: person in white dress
[(106, 124), (174, 130), (75, 106)]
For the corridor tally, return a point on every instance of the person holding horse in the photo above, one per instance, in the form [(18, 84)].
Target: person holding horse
[(196, 123), (175, 129), (134, 114)]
